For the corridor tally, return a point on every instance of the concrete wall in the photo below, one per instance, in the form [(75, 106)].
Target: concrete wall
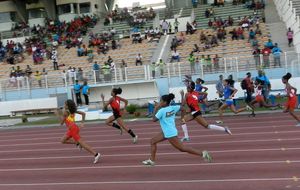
[(27, 104), (7, 6)]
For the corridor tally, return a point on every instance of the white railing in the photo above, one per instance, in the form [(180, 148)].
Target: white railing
[(289, 61)]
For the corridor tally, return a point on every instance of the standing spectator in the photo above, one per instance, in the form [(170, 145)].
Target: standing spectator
[(269, 44), (247, 84), (80, 74), (256, 55), (138, 60), (161, 65), (266, 84), (152, 69), (176, 24), (251, 36), (38, 78), (290, 36), (216, 61), (65, 77), (170, 28), (77, 88), (86, 92), (192, 59), (73, 74), (164, 26), (189, 29), (106, 72), (96, 69), (54, 59), (276, 51), (208, 63), (123, 66), (266, 56)]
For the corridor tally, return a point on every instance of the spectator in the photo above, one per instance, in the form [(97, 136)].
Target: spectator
[(86, 92), (254, 43), (152, 69), (196, 49), (38, 78), (161, 65), (266, 84), (290, 36), (80, 74), (138, 60), (164, 26), (106, 72), (175, 56), (240, 33), (266, 56), (249, 87), (170, 28), (209, 63), (113, 44), (176, 24), (220, 88), (28, 71), (234, 34), (54, 59), (110, 60), (189, 28), (214, 41), (65, 77), (192, 59), (77, 88), (123, 66), (96, 69), (276, 51), (256, 55), (80, 51), (269, 44), (216, 61), (251, 35)]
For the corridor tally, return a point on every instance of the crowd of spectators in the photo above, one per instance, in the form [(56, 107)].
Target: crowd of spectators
[(136, 17)]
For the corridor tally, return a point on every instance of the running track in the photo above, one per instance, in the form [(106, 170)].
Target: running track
[(263, 154)]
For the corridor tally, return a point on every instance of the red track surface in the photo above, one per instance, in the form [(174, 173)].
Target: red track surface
[(263, 154)]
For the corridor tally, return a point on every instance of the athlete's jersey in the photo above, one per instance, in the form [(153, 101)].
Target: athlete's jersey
[(115, 104), (258, 91), (290, 93), (198, 87), (192, 101), (227, 92), (70, 120)]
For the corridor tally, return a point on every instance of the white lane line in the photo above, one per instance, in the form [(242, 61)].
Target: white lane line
[(151, 124), (146, 154), (239, 180), (142, 166), (147, 145), (14, 139), (163, 48), (57, 142)]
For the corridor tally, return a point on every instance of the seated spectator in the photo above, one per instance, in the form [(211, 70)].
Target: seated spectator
[(138, 60), (175, 56), (181, 38), (221, 34), (110, 60), (210, 23), (207, 13), (113, 44), (254, 43), (214, 41), (258, 31), (203, 37), (136, 38), (240, 33), (85, 50), (234, 34), (80, 51), (269, 44)]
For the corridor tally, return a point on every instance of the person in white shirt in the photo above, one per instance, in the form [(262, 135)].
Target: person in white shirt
[(175, 56), (138, 60), (165, 26)]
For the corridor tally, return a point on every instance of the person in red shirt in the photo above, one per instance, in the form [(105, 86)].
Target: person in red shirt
[(266, 56), (194, 112), (291, 93), (115, 104)]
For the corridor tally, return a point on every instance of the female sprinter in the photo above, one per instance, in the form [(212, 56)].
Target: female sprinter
[(72, 136), (165, 114), (291, 93), (229, 93), (202, 90), (194, 113), (114, 103), (259, 98)]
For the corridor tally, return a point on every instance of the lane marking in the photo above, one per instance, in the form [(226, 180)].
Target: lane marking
[(143, 145), (288, 162), (142, 166), (151, 182), (295, 178)]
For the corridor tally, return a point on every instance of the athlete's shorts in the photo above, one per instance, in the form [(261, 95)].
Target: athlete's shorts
[(229, 102), (259, 98), (196, 114), (117, 114), (291, 103), (73, 132)]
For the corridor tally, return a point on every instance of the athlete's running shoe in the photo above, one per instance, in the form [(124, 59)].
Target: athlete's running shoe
[(79, 147), (227, 130), (97, 158), (206, 156), (148, 162), (298, 125), (248, 108), (135, 139), (185, 139), (121, 131), (219, 122)]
